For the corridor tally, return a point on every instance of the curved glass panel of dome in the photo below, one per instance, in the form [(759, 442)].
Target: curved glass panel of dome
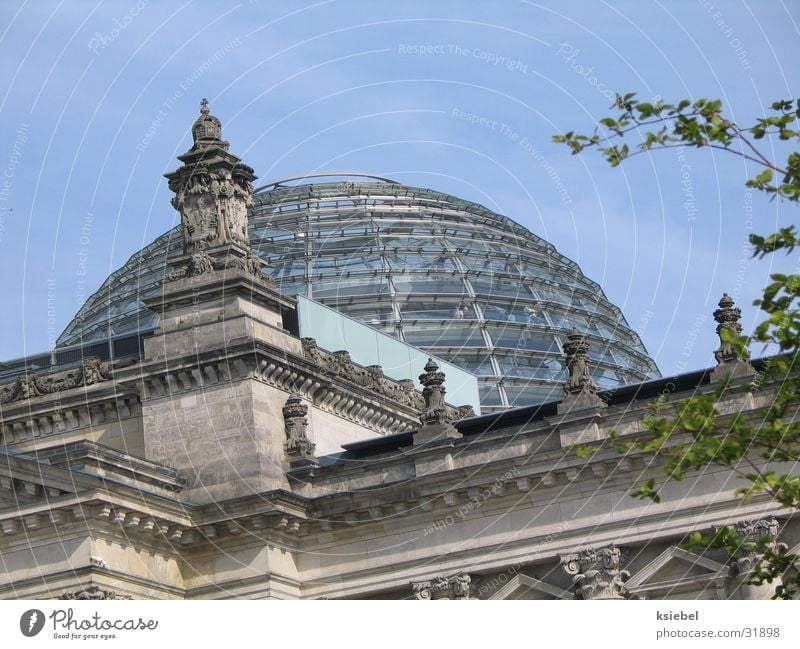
[(440, 273)]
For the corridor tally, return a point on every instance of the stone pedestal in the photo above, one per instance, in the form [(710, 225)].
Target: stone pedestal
[(204, 410)]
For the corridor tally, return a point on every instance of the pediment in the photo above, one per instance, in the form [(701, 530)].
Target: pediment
[(676, 571), (525, 587)]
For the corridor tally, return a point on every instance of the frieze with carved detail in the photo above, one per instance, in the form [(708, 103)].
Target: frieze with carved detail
[(457, 586), (340, 364), (762, 533), (93, 593), (201, 263), (30, 385)]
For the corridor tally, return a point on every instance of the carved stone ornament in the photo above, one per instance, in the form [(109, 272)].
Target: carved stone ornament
[(455, 587), (213, 193), (213, 190), (200, 263), (576, 351), (728, 317), (30, 385), (597, 573), (763, 531), (93, 593), (340, 364), (433, 391), (297, 446)]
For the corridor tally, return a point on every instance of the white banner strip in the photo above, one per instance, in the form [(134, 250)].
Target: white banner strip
[(387, 624)]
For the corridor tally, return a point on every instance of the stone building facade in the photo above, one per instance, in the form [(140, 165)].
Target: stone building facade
[(232, 459)]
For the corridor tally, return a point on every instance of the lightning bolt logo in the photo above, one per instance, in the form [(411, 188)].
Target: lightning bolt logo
[(31, 622)]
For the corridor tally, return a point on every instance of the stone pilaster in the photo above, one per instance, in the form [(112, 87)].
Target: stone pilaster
[(597, 574)]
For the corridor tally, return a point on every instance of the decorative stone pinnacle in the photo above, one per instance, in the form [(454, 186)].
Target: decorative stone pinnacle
[(727, 317), (436, 418), (576, 351), (213, 193), (597, 573), (432, 381), (580, 391), (299, 449)]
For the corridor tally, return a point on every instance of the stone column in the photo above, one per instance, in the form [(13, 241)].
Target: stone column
[(597, 573)]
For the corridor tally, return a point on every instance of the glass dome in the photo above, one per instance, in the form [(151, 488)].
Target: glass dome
[(442, 274)]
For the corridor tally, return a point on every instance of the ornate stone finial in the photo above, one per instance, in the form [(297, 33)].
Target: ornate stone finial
[(580, 389), (727, 317), (207, 129), (576, 351), (299, 449), (728, 363), (456, 587), (597, 573), (213, 192), (432, 381), (435, 417)]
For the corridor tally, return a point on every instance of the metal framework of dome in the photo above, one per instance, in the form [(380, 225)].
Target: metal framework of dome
[(441, 273)]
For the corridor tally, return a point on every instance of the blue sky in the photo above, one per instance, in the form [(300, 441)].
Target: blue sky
[(97, 98)]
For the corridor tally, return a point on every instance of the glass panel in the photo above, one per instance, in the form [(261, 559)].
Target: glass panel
[(450, 336), (603, 355), (490, 395), (514, 311), (569, 320), (437, 309), (609, 379), (486, 286), (527, 365), (520, 395), (338, 287), (476, 362), (413, 260), (424, 283), (373, 313), (493, 265), (522, 337)]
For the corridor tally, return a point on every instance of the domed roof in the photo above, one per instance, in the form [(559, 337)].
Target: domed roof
[(446, 275)]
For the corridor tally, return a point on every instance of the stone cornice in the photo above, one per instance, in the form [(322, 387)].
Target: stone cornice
[(109, 463), (214, 287), (30, 385), (67, 409), (254, 359)]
